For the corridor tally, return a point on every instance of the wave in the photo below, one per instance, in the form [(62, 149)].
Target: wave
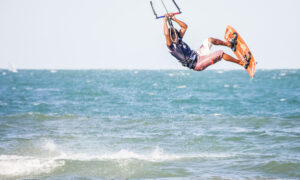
[(18, 165), (12, 165), (278, 167), (39, 116), (157, 155)]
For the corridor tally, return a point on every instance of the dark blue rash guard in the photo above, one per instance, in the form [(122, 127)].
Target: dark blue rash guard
[(183, 53)]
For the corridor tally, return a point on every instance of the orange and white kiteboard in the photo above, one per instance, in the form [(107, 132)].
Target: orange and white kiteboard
[(242, 49)]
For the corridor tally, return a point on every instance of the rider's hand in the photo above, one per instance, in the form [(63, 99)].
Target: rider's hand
[(172, 15)]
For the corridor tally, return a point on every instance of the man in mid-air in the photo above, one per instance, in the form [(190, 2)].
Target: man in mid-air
[(196, 60)]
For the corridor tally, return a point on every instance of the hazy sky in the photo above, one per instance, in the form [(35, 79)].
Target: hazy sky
[(123, 34)]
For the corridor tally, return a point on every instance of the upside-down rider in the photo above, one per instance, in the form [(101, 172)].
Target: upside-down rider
[(202, 58)]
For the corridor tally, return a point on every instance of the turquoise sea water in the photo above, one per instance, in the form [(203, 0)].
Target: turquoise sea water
[(118, 124)]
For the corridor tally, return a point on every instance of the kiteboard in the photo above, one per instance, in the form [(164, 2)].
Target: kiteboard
[(241, 49)]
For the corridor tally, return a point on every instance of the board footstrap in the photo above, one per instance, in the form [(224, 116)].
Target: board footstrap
[(233, 41), (247, 59)]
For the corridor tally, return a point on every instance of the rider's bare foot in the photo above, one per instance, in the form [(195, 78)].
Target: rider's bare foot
[(244, 62)]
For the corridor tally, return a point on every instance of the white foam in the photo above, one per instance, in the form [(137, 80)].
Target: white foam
[(282, 99), (53, 71), (12, 68), (181, 87), (239, 130), (12, 165), (3, 73), (50, 146), (226, 85), (171, 74), (36, 103), (157, 155), (295, 130)]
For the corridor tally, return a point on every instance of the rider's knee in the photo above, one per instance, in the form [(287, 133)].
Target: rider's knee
[(212, 40)]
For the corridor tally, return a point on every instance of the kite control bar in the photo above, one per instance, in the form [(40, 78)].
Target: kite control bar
[(158, 17)]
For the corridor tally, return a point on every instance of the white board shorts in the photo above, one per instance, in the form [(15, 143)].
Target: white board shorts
[(205, 57), (205, 48)]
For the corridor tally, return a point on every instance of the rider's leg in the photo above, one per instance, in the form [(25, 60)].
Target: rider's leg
[(219, 42), (232, 59), (226, 56), (204, 61)]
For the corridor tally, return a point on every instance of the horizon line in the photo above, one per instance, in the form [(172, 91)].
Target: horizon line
[(145, 69)]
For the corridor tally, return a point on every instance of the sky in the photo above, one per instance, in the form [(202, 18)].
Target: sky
[(119, 34)]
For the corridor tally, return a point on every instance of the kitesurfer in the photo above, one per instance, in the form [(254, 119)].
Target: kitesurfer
[(202, 58)]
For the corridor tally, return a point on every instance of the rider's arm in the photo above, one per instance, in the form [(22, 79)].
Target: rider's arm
[(166, 32), (183, 26)]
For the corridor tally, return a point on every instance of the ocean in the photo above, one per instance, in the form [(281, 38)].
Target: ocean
[(149, 124)]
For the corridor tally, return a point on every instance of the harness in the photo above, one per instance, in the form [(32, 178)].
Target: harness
[(182, 52)]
